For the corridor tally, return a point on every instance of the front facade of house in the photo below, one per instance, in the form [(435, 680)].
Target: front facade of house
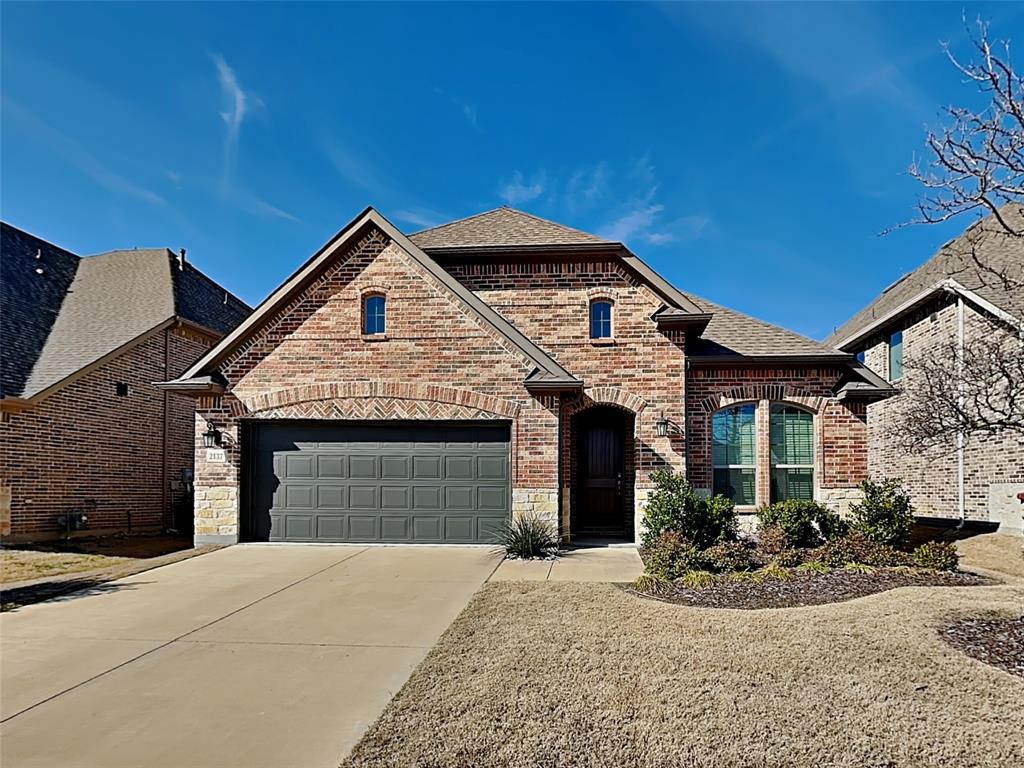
[(423, 389), (973, 288), (83, 428)]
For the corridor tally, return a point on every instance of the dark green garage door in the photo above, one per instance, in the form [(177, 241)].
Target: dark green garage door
[(417, 482)]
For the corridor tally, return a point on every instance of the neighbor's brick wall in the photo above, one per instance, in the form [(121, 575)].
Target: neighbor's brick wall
[(432, 342), (83, 442), (931, 477), (840, 429)]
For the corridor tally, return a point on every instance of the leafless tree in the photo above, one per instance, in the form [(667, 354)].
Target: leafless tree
[(976, 166)]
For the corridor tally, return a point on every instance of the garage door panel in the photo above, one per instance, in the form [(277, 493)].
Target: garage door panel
[(417, 482)]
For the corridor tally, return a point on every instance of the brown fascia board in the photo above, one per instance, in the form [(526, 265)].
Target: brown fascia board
[(365, 220), (732, 360), (196, 387), (14, 404), (675, 320)]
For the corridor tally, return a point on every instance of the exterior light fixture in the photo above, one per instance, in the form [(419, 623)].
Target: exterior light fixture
[(212, 436), (662, 425)]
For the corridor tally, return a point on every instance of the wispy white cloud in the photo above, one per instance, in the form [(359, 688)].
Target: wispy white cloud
[(75, 154), (237, 103), (587, 185), (638, 220), (354, 169), (421, 217), (519, 190), (467, 109)]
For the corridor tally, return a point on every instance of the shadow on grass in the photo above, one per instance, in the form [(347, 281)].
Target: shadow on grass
[(60, 591)]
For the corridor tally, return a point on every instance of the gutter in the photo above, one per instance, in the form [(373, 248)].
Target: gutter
[(960, 405)]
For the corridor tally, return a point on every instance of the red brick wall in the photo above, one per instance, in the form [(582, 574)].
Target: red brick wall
[(84, 442), (840, 428)]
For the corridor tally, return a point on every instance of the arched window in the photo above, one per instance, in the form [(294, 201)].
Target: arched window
[(734, 453), (373, 314), (600, 319), (791, 431)]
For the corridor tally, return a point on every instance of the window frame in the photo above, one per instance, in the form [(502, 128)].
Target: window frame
[(892, 346), (364, 319), (610, 321), (772, 465), (754, 467)]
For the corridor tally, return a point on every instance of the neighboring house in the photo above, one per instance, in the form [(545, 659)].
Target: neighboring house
[(950, 298), (424, 388), (81, 342)]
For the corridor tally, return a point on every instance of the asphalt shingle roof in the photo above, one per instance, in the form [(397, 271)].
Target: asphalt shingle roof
[(994, 247), (501, 227), (94, 305)]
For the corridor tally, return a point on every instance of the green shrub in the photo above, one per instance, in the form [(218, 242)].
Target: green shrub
[(937, 555), (747, 577), (650, 584), (697, 579), (855, 547), (804, 523), (813, 566), (885, 515), (675, 506), (727, 556), (776, 572), (859, 567), (670, 556), (529, 536)]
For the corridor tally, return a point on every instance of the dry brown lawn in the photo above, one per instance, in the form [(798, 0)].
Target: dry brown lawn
[(562, 674)]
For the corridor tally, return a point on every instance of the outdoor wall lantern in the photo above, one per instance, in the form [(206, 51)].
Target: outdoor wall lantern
[(662, 425), (212, 436)]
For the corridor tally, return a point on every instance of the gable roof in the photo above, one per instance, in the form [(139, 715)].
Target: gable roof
[(548, 373), (993, 246), (92, 307), (501, 227)]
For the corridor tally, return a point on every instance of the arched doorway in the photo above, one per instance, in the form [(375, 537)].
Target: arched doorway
[(604, 472)]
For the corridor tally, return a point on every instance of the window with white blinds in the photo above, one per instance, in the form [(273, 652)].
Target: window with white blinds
[(791, 432), (734, 453)]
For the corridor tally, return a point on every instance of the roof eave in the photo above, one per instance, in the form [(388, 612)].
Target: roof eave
[(213, 385), (826, 358), (696, 323)]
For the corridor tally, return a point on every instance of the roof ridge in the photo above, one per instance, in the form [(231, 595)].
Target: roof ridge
[(541, 219), (463, 219), (34, 236)]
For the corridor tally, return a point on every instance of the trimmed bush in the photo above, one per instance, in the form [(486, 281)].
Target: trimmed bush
[(855, 547), (885, 515), (727, 556), (670, 556), (804, 523), (529, 536), (937, 555), (675, 506)]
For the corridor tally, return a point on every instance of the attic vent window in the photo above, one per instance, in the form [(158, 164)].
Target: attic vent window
[(121, 389)]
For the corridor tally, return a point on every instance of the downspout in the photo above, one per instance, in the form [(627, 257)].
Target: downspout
[(165, 511), (960, 405)]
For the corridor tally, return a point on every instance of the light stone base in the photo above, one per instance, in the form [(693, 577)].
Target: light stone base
[(216, 512), (640, 496), (1005, 508), (221, 540), (840, 499), (539, 502)]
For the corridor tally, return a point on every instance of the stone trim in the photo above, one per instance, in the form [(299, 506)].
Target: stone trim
[(390, 390)]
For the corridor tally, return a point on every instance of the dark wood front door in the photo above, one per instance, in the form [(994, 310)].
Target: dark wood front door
[(599, 510)]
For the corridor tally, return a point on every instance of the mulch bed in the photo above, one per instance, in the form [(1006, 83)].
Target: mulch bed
[(999, 642), (816, 588)]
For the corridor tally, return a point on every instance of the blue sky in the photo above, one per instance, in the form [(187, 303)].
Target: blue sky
[(750, 153)]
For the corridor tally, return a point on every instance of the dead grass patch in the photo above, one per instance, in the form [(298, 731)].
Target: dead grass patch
[(563, 674)]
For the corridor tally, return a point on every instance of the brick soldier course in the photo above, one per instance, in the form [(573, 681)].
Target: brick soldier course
[(488, 321)]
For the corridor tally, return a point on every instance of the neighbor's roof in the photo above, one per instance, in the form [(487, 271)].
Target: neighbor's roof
[(994, 247), (501, 227), (109, 301)]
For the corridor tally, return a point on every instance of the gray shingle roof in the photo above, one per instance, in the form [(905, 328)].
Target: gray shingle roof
[(994, 247), (501, 227), (733, 333), (110, 300)]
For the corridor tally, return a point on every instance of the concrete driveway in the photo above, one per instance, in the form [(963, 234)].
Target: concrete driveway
[(248, 656)]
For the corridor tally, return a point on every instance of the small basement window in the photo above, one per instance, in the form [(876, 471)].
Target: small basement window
[(600, 319), (121, 389)]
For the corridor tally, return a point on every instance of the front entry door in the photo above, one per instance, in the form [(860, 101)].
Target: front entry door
[(600, 440)]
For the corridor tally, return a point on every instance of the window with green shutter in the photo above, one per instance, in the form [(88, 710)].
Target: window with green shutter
[(734, 453), (791, 433)]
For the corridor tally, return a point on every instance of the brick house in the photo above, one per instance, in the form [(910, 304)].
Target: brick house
[(423, 388), (83, 340), (957, 295)]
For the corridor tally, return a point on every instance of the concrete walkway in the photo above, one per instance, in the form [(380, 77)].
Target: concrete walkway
[(249, 656), (617, 564)]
